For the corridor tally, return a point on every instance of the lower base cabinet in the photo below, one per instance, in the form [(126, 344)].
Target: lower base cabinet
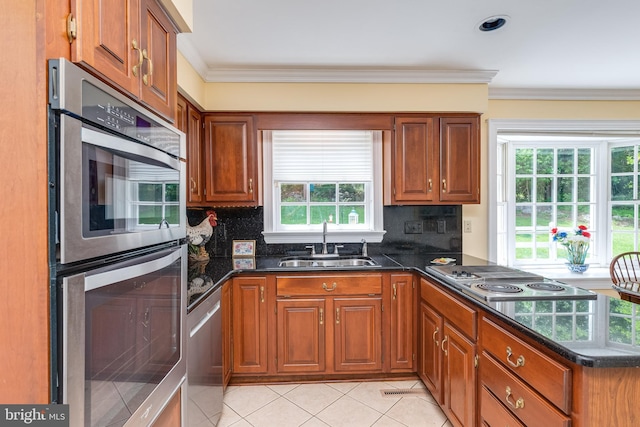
[(448, 354)]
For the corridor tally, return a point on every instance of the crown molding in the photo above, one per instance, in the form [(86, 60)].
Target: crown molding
[(347, 75), (565, 94)]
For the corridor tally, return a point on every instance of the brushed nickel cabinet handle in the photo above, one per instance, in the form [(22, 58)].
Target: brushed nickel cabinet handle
[(444, 340), (519, 360), (333, 287), (434, 336), (518, 403)]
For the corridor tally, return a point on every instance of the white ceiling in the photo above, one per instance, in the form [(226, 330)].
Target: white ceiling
[(570, 45)]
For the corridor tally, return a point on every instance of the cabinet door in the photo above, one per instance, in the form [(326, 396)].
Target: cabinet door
[(158, 82), (301, 335), (402, 322), (459, 160), (414, 161), (230, 160), (431, 334), (249, 325), (459, 374), (226, 334), (357, 335), (108, 40), (194, 156)]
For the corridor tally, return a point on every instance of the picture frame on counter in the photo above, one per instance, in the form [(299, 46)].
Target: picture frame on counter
[(243, 248), (244, 263)]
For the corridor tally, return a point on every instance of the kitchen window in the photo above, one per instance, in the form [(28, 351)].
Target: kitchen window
[(155, 202), (317, 176), (563, 174)]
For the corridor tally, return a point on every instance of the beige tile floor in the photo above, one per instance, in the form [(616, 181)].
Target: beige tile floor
[(350, 404)]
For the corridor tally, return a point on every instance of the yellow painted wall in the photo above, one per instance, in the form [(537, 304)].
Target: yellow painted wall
[(345, 97)]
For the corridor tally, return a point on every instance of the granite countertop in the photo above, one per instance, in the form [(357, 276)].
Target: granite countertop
[(593, 333)]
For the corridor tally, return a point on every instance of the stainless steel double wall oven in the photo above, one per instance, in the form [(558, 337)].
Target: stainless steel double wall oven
[(118, 252)]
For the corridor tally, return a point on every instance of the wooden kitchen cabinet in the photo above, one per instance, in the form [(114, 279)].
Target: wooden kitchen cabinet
[(459, 160), (249, 329), (301, 335), (435, 160), (131, 44), (230, 160), (415, 159), (189, 120), (448, 352), (402, 336), (530, 385), (329, 323)]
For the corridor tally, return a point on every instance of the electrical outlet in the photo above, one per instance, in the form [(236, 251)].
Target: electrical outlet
[(467, 225), (442, 226), (413, 227)]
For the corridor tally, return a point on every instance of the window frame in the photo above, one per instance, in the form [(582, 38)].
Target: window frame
[(496, 201), (313, 232)]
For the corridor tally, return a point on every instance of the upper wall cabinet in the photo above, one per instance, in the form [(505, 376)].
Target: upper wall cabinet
[(435, 160), (189, 120), (132, 44), (230, 160)]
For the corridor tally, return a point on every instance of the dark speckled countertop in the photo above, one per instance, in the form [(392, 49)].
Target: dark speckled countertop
[(596, 333)]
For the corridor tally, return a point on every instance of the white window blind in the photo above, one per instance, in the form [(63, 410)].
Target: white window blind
[(322, 155)]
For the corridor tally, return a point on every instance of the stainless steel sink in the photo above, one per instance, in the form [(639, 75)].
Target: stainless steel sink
[(343, 261)]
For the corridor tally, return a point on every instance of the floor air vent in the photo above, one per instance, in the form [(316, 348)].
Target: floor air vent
[(401, 392)]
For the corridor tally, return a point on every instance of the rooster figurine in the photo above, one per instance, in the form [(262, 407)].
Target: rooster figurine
[(199, 235)]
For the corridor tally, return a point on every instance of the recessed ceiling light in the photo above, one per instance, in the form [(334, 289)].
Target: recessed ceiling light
[(492, 23)]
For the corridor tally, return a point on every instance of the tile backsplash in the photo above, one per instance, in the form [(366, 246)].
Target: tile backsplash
[(409, 229)]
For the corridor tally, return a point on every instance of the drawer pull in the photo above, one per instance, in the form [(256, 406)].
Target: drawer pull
[(444, 340), (518, 404), (333, 287), (519, 360), (434, 336)]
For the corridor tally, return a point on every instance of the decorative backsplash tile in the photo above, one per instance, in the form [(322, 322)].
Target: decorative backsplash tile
[(410, 229)]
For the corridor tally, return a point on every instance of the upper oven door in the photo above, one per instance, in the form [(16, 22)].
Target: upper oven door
[(115, 194)]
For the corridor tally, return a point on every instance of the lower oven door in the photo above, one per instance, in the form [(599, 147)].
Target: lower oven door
[(124, 339)]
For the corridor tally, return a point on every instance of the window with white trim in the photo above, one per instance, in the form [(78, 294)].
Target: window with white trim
[(563, 177), (313, 176)]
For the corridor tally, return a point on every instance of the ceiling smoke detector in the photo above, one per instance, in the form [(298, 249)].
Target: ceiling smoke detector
[(493, 23)]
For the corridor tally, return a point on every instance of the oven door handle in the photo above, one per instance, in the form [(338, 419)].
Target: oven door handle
[(128, 149), (204, 320), (118, 273)]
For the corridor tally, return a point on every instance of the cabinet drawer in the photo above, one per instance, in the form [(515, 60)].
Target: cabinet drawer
[(493, 413), (352, 284), (458, 313), (548, 377), (517, 397)]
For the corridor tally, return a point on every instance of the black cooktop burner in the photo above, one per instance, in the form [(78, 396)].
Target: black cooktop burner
[(496, 287), (545, 286)]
